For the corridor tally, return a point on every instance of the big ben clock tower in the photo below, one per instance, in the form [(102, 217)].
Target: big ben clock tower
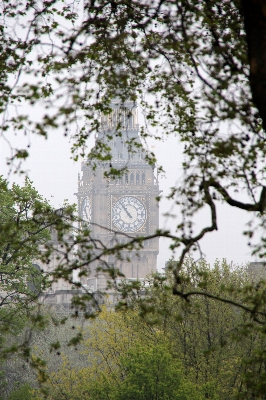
[(122, 207)]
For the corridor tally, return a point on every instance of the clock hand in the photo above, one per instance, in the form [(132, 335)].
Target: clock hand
[(128, 213)]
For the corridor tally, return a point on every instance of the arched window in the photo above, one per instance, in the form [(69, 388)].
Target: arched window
[(126, 179), (137, 179), (132, 179), (143, 178)]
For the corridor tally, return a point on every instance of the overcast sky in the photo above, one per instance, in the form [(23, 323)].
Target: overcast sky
[(55, 176)]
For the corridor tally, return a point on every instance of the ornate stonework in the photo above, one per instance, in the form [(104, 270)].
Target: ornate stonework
[(117, 208)]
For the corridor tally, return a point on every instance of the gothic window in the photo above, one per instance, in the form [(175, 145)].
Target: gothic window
[(143, 178), (137, 179), (132, 179), (126, 179)]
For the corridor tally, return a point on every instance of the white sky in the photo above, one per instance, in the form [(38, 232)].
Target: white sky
[(55, 176)]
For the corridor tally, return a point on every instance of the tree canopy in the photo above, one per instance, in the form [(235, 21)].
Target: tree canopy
[(186, 63), (21, 235), (27, 222), (164, 348), (196, 69)]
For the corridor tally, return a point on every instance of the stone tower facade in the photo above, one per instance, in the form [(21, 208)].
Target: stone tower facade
[(117, 208)]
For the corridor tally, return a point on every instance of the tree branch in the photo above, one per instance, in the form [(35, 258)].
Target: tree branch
[(251, 311), (259, 206), (255, 27)]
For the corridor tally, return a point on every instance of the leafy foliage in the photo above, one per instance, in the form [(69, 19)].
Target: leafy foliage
[(217, 342), (163, 347), (26, 221), (122, 363), (153, 373), (187, 65), (22, 392), (193, 67), (22, 233)]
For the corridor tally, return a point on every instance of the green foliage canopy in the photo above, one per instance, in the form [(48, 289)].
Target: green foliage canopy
[(162, 347), (23, 231), (186, 63), (27, 221)]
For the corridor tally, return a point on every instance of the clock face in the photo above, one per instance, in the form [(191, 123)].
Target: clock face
[(86, 211), (128, 214)]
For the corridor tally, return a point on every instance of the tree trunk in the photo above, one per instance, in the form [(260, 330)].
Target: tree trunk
[(255, 25)]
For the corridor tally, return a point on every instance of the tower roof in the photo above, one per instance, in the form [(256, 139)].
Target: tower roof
[(119, 135)]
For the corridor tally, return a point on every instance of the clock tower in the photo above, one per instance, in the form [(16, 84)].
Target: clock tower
[(120, 207)]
